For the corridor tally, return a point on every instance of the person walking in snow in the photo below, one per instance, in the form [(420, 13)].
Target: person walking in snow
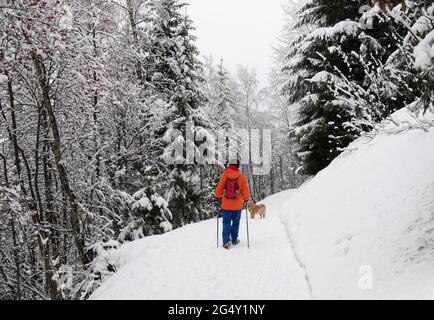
[(233, 188)]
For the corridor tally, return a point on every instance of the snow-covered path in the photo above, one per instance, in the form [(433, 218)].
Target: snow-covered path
[(186, 264)]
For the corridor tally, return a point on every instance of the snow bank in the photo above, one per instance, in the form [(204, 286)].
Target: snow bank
[(364, 226)]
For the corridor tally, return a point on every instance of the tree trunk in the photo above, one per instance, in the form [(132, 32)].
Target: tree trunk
[(135, 34), (13, 135), (44, 245), (18, 294), (95, 117), (64, 256), (50, 283), (37, 193), (48, 185), (56, 148), (5, 170)]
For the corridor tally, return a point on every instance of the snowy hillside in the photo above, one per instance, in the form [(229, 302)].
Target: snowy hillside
[(362, 228), (371, 210)]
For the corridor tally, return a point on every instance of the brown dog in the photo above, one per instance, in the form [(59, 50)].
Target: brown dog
[(256, 209)]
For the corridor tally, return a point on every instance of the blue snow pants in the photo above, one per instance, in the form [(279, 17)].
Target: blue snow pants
[(231, 225)]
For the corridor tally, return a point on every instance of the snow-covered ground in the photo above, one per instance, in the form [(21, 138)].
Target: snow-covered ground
[(186, 264), (362, 228)]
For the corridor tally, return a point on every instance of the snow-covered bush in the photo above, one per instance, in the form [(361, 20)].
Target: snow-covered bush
[(105, 263), (150, 216)]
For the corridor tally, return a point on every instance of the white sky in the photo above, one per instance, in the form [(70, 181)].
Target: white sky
[(239, 31)]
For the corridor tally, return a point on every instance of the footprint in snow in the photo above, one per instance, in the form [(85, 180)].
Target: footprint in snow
[(342, 245)]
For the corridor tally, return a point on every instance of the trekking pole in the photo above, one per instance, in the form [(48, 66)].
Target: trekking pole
[(217, 230), (247, 225), (218, 216)]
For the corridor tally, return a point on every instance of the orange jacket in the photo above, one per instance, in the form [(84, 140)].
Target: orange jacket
[(233, 172)]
